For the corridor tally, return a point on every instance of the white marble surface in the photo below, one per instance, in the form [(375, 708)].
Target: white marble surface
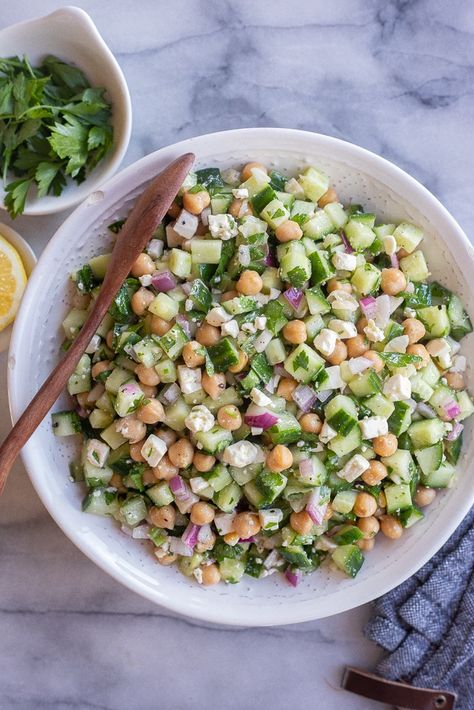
[(393, 76)]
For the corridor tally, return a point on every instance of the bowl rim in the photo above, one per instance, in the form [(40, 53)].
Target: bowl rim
[(248, 616), (99, 176)]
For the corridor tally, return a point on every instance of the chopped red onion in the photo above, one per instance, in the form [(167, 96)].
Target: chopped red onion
[(178, 547), (455, 431), (451, 409), (188, 326), (323, 395), (126, 530), (394, 261), (83, 413), (280, 371), (368, 305), (205, 534), (294, 297), (304, 396), (315, 508), (260, 417), (347, 247), (270, 259), (190, 535), (306, 469), (382, 315), (170, 394), (247, 539), (293, 576), (425, 410), (179, 488), (187, 286), (163, 281)]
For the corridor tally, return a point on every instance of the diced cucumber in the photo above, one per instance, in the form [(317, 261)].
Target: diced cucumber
[(101, 501), (295, 266), (441, 478), (452, 449), (286, 430), (442, 395), (400, 466), (380, 405), (269, 484), (436, 321), (301, 211), (176, 413), (348, 558), (256, 182), (223, 354), (239, 304), (218, 477), (366, 279), (347, 534), (99, 265), (112, 437), (66, 423), (303, 363), (400, 419), (215, 440), (414, 266), (420, 390), (229, 396), (80, 380), (398, 497), (426, 432), (164, 307), (180, 263), (466, 405), (460, 322), (220, 203), (243, 475), (430, 374), (408, 236), (314, 324), (384, 230), (342, 445), (359, 234), (344, 501), (73, 322), (318, 226), (166, 370), (206, 251), (322, 267), (231, 571), (275, 351), (160, 494), (133, 511), (314, 183), (147, 351), (341, 414), (228, 497), (129, 398), (430, 458), (173, 341), (366, 384), (99, 419), (336, 213), (317, 303), (263, 198), (275, 213), (410, 516)]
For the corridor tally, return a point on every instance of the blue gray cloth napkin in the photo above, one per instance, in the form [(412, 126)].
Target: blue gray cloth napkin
[(426, 625)]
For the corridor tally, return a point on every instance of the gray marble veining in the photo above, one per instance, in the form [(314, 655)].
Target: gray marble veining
[(393, 76)]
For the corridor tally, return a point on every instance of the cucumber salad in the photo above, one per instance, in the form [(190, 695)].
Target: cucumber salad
[(276, 384)]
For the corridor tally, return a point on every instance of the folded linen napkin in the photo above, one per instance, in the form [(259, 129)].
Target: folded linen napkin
[(426, 625)]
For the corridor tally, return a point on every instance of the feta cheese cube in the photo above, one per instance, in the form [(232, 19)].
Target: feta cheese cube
[(145, 280), (259, 398), (217, 316), (260, 322), (186, 224), (409, 313), (94, 344), (325, 342), (155, 248), (334, 380), (230, 328), (354, 468), (294, 188), (262, 341), (344, 262), (274, 293), (373, 332), (240, 454), (97, 452), (189, 379), (360, 364), (327, 433), (390, 244), (397, 345), (222, 226), (371, 427), (344, 328), (340, 300), (270, 518), (198, 484), (224, 523), (153, 450), (249, 328), (240, 193), (397, 388), (459, 364), (200, 419)]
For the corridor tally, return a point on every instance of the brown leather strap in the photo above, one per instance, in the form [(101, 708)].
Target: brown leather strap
[(402, 695)]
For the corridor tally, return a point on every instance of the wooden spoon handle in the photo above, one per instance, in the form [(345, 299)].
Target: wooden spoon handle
[(147, 213)]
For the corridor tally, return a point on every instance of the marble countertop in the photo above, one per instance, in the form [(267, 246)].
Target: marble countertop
[(392, 76)]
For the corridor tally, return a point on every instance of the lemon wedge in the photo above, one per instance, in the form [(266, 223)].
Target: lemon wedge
[(12, 282)]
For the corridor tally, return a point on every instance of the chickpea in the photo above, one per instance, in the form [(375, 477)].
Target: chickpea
[(80, 300), (286, 387), (361, 324), (228, 295), (100, 367), (168, 435), (159, 326), (151, 413), (402, 253), (414, 328), (148, 477), (140, 301), (174, 210), (207, 545), (311, 423), (143, 265), (136, 451), (195, 202), (181, 453), (165, 470), (164, 517), (167, 560), (214, 385), (229, 417), (376, 472), (148, 391), (382, 500), (132, 429), (377, 362), (288, 231), (231, 538), (246, 172), (82, 399), (455, 380), (210, 575), (246, 525), (240, 208), (295, 332), (279, 458), (339, 354), (203, 462), (301, 522), (365, 505), (329, 196), (193, 355), (357, 345), (239, 366), (147, 375), (116, 482), (424, 496), (208, 334), (391, 527), (202, 513), (366, 545), (335, 285), (393, 281), (369, 526), (385, 445), (250, 283), (109, 339), (421, 351)]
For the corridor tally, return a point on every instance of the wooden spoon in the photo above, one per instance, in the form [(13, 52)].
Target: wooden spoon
[(147, 213)]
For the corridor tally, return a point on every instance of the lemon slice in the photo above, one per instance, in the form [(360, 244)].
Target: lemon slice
[(12, 282)]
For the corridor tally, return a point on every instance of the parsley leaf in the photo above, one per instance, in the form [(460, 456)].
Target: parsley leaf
[(301, 360), (297, 276)]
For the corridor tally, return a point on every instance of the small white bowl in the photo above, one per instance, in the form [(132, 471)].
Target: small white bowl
[(358, 175), (29, 260), (71, 35)]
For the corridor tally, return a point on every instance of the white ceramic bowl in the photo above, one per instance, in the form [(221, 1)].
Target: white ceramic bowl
[(359, 176), (70, 34)]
